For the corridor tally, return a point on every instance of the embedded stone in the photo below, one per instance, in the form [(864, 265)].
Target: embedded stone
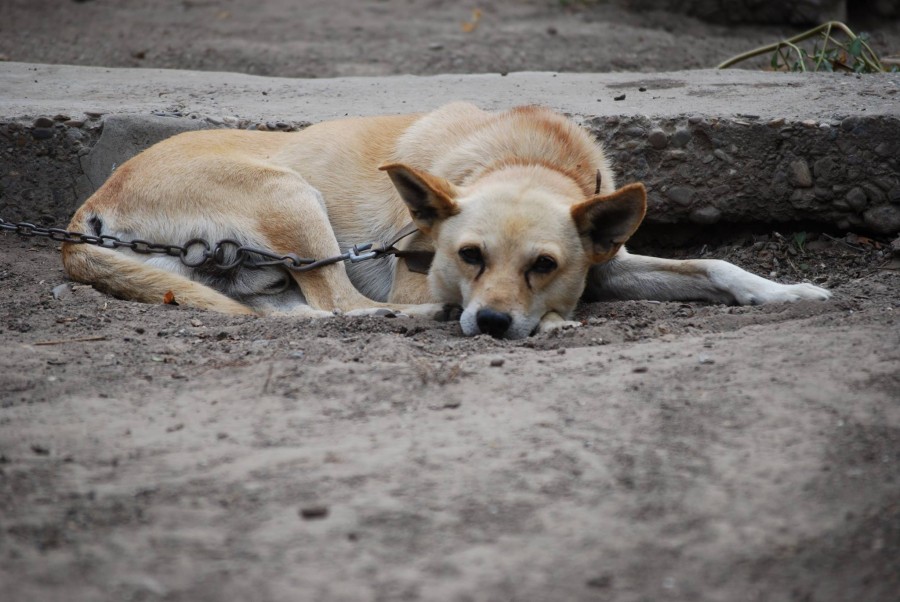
[(876, 196), (681, 195), (857, 199), (800, 174), (681, 137), (894, 194), (823, 194), (884, 219), (825, 169), (658, 139), (849, 123), (705, 215), (884, 150), (723, 156)]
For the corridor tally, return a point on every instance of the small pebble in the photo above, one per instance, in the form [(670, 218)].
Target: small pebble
[(622, 97), (62, 291), (497, 362), (314, 512), (640, 369), (722, 156), (43, 122), (601, 582)]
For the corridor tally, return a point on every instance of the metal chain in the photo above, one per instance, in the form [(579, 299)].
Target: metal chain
[(216, 255)]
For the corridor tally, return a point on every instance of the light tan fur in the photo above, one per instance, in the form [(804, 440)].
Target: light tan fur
[(515, 188)]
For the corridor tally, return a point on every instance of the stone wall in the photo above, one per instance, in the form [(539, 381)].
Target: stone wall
[(699, 170)]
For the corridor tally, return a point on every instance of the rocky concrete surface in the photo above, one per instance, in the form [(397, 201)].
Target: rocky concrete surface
[(712, 146)]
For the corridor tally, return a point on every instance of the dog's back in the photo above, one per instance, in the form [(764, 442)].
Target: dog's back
[(460, 142)]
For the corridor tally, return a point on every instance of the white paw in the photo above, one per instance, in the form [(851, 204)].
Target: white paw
[(773, 292), (750, 289), (551, 325)]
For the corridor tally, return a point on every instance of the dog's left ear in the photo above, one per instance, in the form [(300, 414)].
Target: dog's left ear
[(606, 222), (429, 198)]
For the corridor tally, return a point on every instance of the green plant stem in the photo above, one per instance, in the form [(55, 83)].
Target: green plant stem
[(870, 58)]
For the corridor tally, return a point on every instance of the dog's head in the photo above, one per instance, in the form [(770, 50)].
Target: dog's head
[(516, 245)]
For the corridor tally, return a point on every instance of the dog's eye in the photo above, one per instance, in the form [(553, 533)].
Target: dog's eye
[(471, 255), (544, 265)]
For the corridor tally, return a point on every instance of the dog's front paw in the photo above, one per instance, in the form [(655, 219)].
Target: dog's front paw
[(553, 321), (449, 313)]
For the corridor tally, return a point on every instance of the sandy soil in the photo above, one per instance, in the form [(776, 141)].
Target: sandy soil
[(661, 451)]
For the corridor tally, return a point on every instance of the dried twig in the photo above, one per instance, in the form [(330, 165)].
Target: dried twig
[(66, 341)]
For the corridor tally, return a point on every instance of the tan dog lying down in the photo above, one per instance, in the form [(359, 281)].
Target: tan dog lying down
[(508, 202)]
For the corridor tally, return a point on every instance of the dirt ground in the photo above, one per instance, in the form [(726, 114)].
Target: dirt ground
[(334, 38), (672, 451)]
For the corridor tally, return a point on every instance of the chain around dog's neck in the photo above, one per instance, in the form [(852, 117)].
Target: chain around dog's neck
[(416, 261)]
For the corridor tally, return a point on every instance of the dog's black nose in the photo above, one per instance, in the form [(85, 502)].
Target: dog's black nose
[(493, 322)]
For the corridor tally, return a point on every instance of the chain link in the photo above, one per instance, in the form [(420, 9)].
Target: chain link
[(198, 252)]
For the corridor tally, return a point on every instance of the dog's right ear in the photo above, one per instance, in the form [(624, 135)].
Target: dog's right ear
[(429, 198)]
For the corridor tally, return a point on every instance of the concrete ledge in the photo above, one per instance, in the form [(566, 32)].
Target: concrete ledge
[(712, 146)]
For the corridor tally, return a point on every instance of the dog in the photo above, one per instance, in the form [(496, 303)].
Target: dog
[(517, 210)]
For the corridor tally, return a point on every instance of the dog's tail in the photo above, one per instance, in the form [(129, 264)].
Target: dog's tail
[(115, 273)]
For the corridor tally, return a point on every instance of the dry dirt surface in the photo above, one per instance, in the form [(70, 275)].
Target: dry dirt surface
[(661, 451), (335, 38)]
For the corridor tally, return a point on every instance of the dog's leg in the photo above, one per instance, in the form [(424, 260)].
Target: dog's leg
[(126, 278), (304, 228), (629, 276)]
